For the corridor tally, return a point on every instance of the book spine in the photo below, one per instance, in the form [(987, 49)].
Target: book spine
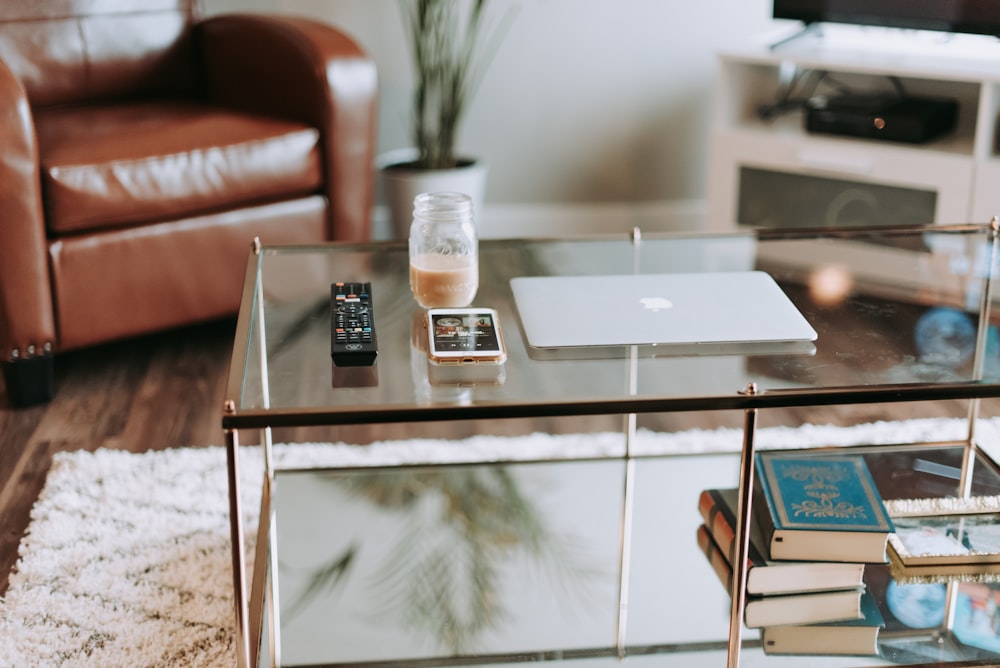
[(716, 559), (763, 504), (719, 516), (714, 513)]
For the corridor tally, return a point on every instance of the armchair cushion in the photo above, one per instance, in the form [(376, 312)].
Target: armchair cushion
[(167, 272), (112, 165)]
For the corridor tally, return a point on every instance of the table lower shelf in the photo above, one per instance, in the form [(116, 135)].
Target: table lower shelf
[(475, 564)]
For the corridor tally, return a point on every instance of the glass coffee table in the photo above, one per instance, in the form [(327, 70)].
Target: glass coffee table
[(574, 554)]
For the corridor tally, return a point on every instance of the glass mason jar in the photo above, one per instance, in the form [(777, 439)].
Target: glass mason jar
[(444, 251)]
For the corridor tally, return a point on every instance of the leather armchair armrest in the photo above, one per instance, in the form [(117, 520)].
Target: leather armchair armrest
[(27, 323), (304, 70)]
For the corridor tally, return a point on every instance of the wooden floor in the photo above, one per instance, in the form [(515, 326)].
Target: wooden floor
[(167, 390), (144, 394)]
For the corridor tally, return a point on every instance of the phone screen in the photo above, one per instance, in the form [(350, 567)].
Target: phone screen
[(474, 333)]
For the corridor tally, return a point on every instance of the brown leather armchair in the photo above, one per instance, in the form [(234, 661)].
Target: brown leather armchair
[(142, 148)]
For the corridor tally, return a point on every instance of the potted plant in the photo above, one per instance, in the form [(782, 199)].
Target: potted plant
[(451, 44)]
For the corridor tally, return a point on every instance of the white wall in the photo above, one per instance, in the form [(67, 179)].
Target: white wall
[(587, 101)]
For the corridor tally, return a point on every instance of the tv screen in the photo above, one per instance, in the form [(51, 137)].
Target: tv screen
[(965, 16)]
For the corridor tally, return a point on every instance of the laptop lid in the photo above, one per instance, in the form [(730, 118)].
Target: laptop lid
[(741, 312)]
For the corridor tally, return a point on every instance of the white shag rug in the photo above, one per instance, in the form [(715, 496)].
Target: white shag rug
[(127, 559)]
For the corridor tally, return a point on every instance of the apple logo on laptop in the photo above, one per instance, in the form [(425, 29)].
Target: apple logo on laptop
[(656, 304)]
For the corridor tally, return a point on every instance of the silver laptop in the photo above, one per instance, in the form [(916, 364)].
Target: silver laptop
[(709, 313)]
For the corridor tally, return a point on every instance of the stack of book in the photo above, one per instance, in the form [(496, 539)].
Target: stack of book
[(817, 521)]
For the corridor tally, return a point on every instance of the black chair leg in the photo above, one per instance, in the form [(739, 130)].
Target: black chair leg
[(29, 381)]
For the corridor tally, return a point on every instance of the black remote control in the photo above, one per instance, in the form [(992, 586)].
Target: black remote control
[(352, 324)]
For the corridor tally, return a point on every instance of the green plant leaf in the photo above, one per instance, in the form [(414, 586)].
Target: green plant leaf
[(451, 46)]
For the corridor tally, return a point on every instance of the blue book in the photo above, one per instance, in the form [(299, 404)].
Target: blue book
[(820, 508)]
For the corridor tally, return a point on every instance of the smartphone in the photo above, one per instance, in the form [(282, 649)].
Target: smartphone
[(464, 336)]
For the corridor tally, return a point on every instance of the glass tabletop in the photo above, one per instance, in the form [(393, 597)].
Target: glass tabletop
[(899, 313)]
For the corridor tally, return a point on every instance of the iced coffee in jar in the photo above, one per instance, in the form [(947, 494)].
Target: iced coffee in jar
[(444, 251)]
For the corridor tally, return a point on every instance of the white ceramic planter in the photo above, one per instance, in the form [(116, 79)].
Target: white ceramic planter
[(402, 184)]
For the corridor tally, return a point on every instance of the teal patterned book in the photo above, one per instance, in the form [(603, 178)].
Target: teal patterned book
[(820, 507)]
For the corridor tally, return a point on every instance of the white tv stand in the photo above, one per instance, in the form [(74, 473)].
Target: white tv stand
[(773, 173)]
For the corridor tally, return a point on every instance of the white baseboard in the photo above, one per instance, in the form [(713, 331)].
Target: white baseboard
[(561, 220)]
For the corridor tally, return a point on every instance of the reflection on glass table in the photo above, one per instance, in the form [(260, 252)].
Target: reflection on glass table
[(385, 565), (499, 563)]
